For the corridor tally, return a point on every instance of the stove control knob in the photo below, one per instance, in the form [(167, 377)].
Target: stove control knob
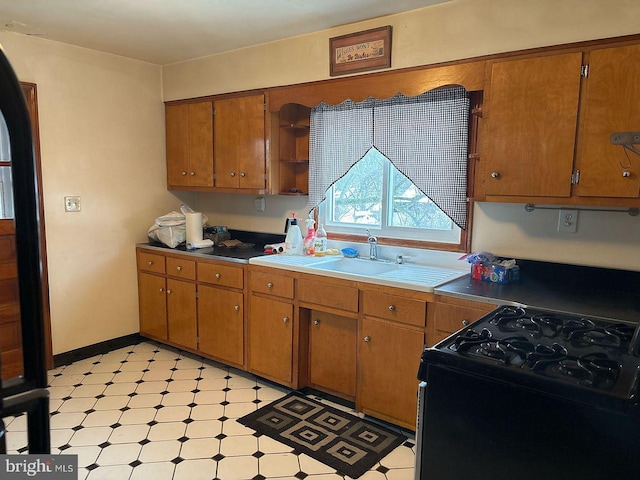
[(465, 322)]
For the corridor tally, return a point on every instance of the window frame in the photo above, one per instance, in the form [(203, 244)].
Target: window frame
[(464, 245)]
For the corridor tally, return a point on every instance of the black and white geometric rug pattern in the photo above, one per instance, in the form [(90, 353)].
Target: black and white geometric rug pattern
[(343, 441)]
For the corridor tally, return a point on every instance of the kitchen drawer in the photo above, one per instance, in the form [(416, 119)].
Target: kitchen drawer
[(451, 318), (393, 307), (223, 275), (322, 292), (181, 268), (272, 283), (151, 262)]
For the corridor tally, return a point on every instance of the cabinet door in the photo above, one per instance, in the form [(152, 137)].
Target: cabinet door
[(153, 305), (271, 339), (611, 105), (177, 138), (201, 144), (332, 352), (220, 324), (531, 118), (388, 358), (240, 142), (451, 318), (181, 313)]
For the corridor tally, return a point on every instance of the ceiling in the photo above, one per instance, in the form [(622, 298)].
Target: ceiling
[(170, 31)]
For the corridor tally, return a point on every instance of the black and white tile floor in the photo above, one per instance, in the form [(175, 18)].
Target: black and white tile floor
[(148, 412)]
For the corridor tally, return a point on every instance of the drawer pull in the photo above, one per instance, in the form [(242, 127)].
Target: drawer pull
[(316, 322), (465, 322), (236, 308), (285, 319), (179, 268), (367, 339), (269, 285), (218, 276), (150, 262), (392, 308), (184, 173)]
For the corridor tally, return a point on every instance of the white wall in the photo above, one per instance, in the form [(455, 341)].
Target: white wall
[(101, 137), (450, 31)]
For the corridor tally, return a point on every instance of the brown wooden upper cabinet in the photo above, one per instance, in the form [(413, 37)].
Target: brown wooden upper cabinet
[(548, 126), (189, 134), (531, 111), (239, 142), (611, 104)]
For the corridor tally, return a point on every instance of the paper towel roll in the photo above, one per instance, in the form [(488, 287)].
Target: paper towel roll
[(194, 227)]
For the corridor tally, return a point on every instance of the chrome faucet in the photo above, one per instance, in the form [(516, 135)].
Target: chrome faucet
[(373, 246)]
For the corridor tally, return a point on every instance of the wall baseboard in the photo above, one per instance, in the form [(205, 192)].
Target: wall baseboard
[(89, 351)]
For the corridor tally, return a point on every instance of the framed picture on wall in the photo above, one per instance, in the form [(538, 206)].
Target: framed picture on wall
[(360, 52)]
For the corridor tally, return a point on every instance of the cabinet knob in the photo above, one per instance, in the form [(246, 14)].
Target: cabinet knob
[(236, 308), (168, 290), (316, 322), (184, 173), (269, 285), (233, 174), (161, 290), (285, 319), (465, 322), (242, 174), (392, 308), (179, 268), (495, 175), (367, 339), (626, 174), (150, 262), (218, 276)]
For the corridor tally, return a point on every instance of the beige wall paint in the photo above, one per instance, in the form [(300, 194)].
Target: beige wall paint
[(454, 30), (101, 137)]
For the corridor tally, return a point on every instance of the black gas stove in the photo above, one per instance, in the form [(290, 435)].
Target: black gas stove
[(543, 393)]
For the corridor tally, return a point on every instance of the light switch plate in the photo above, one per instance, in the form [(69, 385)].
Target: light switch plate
[(72, 203)]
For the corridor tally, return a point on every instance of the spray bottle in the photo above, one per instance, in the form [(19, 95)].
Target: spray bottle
[(293, 240), (308, 245)]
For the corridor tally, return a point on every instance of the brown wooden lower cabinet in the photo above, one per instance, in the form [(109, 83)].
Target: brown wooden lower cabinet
[(332, 353), (181, 313), (152, 298), (221, 324), (271, 339), (388, 358)]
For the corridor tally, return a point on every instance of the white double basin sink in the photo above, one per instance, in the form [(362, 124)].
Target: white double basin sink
[(413, 276)]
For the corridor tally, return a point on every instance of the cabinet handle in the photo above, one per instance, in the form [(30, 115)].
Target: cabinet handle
[(184, 173), (161, 290), (367, 339), (233, 174), (495, 175), (269, 285), (218, 276), (179, 268), (316, 322), (237, 308), (242, 174), (465, 322), (626, 174), (168, 290), (150, 263), (285, 319), (392, 308), (193, 173)]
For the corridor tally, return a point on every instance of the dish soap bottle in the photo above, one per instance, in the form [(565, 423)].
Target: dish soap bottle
[(321, 240), (308, 245), (293, 240)]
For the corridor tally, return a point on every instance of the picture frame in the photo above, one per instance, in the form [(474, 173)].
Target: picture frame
[(360, 52)]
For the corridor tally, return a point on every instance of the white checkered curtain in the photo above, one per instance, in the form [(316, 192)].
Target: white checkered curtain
[(425, 137)]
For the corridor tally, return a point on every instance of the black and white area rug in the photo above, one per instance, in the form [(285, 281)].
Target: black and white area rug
[(343, 441)]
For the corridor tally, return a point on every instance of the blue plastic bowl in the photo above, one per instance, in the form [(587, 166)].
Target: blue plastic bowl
[(349, 252)]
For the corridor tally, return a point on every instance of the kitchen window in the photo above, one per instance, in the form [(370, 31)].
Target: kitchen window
[(397, 167)]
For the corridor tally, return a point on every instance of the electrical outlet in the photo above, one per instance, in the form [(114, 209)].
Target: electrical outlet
[(72, 204), (567, 221), (259, 203)]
